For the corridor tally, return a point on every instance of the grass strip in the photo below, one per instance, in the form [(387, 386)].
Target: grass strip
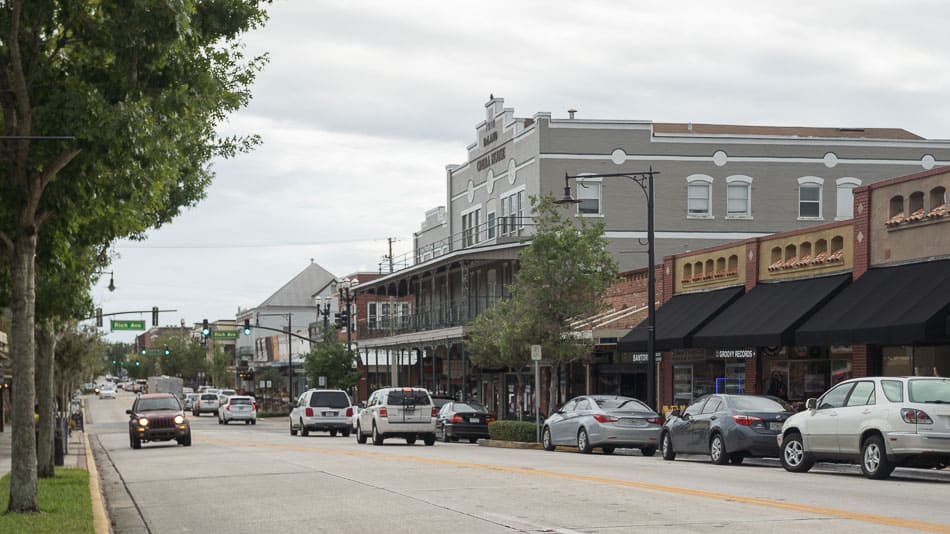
[(65, 505)]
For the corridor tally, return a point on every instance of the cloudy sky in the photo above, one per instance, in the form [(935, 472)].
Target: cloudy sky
[(363, 104)]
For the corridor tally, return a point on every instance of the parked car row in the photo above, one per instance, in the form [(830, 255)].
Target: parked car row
[(879, 423), (225, 404)]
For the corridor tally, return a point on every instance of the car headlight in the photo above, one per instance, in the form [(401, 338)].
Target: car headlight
[(179, 419), (143, 422)]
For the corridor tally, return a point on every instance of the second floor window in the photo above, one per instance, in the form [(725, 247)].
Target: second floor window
[(470, 227), (699, 194), (809, 198), (589, 195), (738, 196)]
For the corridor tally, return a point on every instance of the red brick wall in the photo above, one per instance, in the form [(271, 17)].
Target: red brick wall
[(631, 292), (860, 363), (752, 264), (862, 231)]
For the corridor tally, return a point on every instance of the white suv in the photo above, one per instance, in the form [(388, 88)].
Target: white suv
[(878, 422), (322, 409), (398, 412)]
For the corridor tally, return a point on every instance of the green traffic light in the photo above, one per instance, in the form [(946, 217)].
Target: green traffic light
[(113, 362), (137, 363), (168, 351), (142, 352)]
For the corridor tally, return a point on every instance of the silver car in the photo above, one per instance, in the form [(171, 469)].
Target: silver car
[(606, 422), (878, 422)]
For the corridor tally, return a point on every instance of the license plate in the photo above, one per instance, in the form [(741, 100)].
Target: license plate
[(775, 426), (329, 414), (474, 420)]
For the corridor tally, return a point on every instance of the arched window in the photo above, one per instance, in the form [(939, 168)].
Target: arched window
[(837, 243), (809, 197), (938, 197), (896, 206), (776, 254), (710, 269), (845, 199), (697, 270), (790, 252), (804, 252), (720, 265), (915, 202), (688, 271), (733, 263), (739, 196), (699, 196)]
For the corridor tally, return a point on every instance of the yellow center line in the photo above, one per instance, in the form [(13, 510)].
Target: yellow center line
[(818, 510)]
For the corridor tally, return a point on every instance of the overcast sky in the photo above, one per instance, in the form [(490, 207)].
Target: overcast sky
[(363, 104)]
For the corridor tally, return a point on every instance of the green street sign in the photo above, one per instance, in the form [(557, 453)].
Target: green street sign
[(224, 334), (127, 325)]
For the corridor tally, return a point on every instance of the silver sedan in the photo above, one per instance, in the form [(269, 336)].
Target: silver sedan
[(606, 422)]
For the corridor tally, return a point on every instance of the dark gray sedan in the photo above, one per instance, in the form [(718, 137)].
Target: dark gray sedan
[(606, 422), (726, 427)]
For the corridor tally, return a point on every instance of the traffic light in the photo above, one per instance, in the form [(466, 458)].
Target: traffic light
[(113, 362), (154, 315), (137, 363), (205, 329), (168, 351), (142, 352), (247, 327), (99, 317)]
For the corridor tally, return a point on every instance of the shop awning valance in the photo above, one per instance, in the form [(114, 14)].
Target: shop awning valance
[(769, 314), (901, 305), (679, 318)]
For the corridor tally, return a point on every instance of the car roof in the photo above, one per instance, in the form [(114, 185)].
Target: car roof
[(156, 396), (232, 397)]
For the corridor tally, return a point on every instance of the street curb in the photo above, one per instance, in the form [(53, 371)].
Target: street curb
[(100, 520), (502, 444)]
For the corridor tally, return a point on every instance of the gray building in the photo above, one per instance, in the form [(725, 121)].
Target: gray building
[(717, 184)]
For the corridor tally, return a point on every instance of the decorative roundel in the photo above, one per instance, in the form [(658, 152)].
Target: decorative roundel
[(830, 160), (471, 191), (489, 182), (928, 162), (720, 158), (618, 156), (512, 168)]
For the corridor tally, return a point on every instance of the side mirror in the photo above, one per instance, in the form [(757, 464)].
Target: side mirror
[(811, 404), (685, 416), (675, 413), (363, 405), (128, 412)]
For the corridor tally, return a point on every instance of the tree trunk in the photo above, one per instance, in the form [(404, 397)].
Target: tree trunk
[(519, 393), (45, 397), (23, 486)]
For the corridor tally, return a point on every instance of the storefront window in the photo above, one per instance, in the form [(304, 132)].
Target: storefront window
[(797, 380), (713, 375), (916, 361)]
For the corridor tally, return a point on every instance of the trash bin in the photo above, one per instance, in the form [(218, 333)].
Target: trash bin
[(58, 452)]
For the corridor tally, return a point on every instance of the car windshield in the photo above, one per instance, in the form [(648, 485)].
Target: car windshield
[(329, 399), (462, 407), (408, 398), (210, 396), (240, 400), (621, 403), (228, 392), (755, 404), (161, 403), (934, 391)]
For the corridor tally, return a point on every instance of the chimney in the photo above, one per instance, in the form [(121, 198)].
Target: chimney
[(571, 113)]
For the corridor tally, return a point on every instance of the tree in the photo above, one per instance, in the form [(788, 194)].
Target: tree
[(331, 360), (140, 86), (219, 367), (563, 275)]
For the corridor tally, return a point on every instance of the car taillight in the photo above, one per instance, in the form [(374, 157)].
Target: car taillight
[(254, 407), (746, 420), (490, 419), (915, 416), (655, 420), (308, 412), (435, 412), (457, 419), (349, 412), (601, 418), (228, 407), (383, 412)]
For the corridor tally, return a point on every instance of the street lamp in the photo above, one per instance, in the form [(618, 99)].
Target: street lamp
[(347, 294), (111, 286), (290, 352), (643, 179), (323, 309)]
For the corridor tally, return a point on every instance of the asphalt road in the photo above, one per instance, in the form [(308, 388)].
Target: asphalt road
[(260, 479)]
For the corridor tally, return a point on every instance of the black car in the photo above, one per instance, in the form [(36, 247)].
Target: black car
[(726, 427), (158, 417), (463, 420)]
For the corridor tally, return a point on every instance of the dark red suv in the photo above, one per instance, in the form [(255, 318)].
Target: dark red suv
[(158, 417)]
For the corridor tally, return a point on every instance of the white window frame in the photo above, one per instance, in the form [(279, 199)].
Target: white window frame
[(736, 181), (808, 182), (512, 203), (700, 179), (845, 186), (471, 233), (587, 185), (490, 222)]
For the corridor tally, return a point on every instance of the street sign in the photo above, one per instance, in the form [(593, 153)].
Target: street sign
[(535, 352), (224, 334), (127, 325), (322, 381)]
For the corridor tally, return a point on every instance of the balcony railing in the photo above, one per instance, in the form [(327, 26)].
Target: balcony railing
[(445, 316)]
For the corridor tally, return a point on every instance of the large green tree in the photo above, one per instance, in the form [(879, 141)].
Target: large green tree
[(140, 87), (563, 276), (330, 359)]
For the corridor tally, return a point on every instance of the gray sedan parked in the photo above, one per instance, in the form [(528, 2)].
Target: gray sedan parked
[(726, 427), (606, 422)]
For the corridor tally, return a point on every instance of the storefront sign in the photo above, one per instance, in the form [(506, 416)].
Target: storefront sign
[(735, 354), (639, 357), (493, 158)]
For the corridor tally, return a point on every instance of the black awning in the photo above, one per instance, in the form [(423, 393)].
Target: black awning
[(900, 305), (679, 318), (769, 314)]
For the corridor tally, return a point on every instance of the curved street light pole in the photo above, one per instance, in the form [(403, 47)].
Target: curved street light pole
[(643, 179)]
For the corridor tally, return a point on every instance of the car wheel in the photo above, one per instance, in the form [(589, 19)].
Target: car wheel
[(136, 441), (293, 431), (874, 462), (226, 421), (333, 433), (666, 447), (247, 422), (607, 450), (429, 440), (303, 430), (473, 440), (717, 450), (793, 454), (736, 458), (583, 442), (360, 436), (186, 440), (253, 421), (377, 437), (648, 451), (445, 435), (411, 439), (345, 432), (220, 422), (546, 439)]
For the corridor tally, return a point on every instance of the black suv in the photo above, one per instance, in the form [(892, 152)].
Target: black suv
[(158, 417)]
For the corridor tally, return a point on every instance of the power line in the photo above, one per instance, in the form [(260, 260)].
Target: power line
[(219, 245)]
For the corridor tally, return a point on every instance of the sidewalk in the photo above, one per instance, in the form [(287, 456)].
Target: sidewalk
[(74, 457)]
